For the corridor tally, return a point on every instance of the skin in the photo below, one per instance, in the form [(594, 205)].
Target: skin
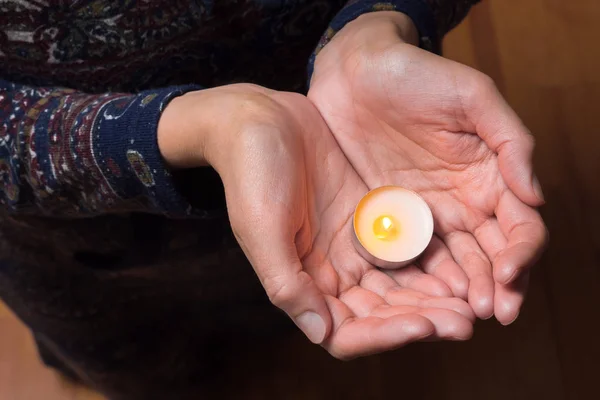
[(290, 194), (404, 116), (379, 111)]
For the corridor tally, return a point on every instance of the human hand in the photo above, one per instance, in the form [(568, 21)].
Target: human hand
[(405, 116), (290, 194)]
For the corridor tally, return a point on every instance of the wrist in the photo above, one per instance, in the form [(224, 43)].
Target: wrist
[(181, 132), (201, 128), (366, 36), (369, 34), (374, 26)]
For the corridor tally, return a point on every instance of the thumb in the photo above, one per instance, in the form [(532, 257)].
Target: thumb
[(275, 260), (505, 134), (298, 295)]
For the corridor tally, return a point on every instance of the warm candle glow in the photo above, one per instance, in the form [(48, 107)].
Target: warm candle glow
[(385, 228), (392, 226)]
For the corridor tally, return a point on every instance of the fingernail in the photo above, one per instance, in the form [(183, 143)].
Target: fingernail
[(312, 325), (537, 188)]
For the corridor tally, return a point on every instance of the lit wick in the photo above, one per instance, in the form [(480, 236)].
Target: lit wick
[(392, 226)]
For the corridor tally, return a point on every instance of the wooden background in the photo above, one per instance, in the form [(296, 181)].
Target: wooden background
[(545, 57)]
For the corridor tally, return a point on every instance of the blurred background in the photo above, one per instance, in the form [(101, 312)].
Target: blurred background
[(545, 57)]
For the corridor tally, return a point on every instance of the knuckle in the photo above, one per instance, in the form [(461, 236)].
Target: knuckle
[(281, 294), (486, 81), (481, 86), (542, 234), (285, 290), (529, 142)]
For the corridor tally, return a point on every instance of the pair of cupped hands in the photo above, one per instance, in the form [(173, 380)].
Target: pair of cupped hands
[(380, 111)]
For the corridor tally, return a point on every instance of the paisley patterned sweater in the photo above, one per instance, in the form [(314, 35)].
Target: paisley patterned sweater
[(128, 274)]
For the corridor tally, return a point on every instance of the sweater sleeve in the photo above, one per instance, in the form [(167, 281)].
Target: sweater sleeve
[(67, 153), (432, 18)]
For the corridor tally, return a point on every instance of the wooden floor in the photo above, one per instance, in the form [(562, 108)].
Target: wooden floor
[(545, 56)]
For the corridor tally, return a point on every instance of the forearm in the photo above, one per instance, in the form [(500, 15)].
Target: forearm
[(421, 22), (69, 153)]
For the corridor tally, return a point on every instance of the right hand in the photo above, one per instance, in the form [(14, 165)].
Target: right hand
[(405, 116), (290, 194)]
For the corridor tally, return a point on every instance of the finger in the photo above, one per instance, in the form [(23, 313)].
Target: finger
[(509, 298), (504, 133), (408, 297), (360, 301), (474, 262), (413, 278), (437, 261), (449, 325), (377, 292), (527, 238), (355, 337), (388, 292), (275, 260), (378, 282), (490, 238)]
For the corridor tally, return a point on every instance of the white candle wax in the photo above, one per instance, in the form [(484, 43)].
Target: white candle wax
[(392, 226)]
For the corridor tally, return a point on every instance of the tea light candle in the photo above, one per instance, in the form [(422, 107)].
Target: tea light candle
[(392, 226)]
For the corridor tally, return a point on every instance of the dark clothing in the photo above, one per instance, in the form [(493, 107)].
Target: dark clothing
[(128, 275)]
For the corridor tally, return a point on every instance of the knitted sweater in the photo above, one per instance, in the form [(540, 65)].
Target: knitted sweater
[(127, 274)]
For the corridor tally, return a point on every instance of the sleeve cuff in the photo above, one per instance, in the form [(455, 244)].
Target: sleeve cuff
[(126, 148), (417, 10)]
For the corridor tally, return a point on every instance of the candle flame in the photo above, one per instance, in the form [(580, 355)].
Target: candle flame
[(385, 228)]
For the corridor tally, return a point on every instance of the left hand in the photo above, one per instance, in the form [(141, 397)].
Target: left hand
[(408, 117), (290, 197)]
